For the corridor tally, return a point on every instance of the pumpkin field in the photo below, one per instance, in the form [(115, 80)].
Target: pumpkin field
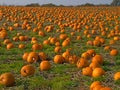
[(59, 48)]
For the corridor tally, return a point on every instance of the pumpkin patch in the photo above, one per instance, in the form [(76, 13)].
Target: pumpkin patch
[(64, 48)]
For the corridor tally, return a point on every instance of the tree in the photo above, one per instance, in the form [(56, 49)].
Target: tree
[(115, 3)]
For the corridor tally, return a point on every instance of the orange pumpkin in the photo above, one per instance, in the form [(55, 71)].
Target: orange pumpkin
[(97, 59), (9, 46), (27, 70), (59, 59), (32, 57), (82, 62), (117, 76), (94, 65), (45, 65), (7, 79), (25, 56), (98, 72), (114, 52), (42, 55), (85, 55), (94, 84), (73, 59), (58, 49), (87, 71), (36, 46), (21, 46)]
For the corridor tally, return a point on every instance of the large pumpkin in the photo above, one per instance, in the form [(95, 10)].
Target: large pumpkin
[(59, 59), (98, 72), (117, 76), (87, 71), (27, 70), (114, 52), (82, 62), (97, 59), (45, 65), (32, 57), (7, 79)]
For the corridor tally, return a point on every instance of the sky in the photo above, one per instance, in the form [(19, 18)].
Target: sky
[(57, 2)]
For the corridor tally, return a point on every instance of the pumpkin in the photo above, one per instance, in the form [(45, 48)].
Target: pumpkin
[(63, 36), (66, 55), (58, 49), (7, 79), (6, 41), (116, 38), (97, 59), (106, 88), (3, 34), (36, 46), (87, 71), (91, 52), (106, 48), (46, 42), (82, 62), (117, 76), (25, 56), (114, 52), (85, 55), (98, 72), (41, 33), (32, 57), (27, 70), (65, 43), (45, 65), (94, 84), (97, 87), (59, 59), (94, 65), (89, 42), (97, 43), (21, 46), (42, 55), (73, 59), (21, 38), (10, 45)]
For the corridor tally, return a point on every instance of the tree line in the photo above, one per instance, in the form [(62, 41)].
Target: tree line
[(114, 3)]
